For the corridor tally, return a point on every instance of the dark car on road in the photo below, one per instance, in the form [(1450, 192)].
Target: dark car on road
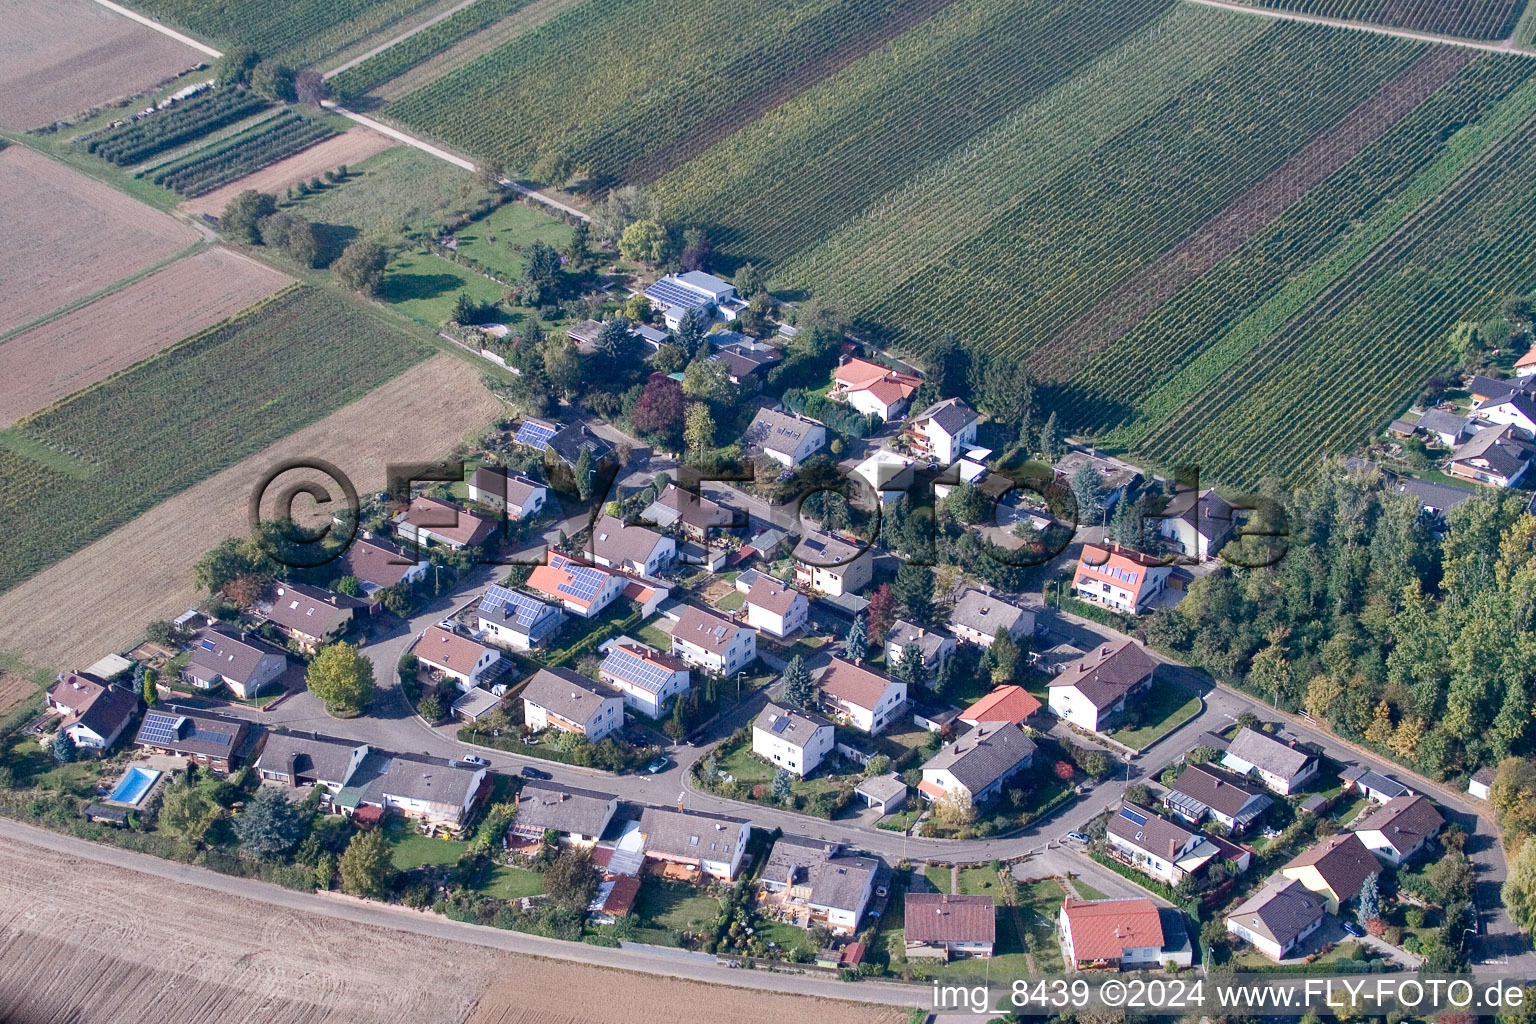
[(530, 772)]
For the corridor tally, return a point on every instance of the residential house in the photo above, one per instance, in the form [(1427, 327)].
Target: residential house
[(92, 713), (429, 521), (1335, 868), (212, 741), (1161, 848), (1119, 578), (582, 590), (1011, 705), (616, 897), (1198, 523), (888, 793), (520, 496), (535, 433), (436, 792), (696, 515), (1435, 499), (976, 618), (712, 643), (309, 616), (1488, 389), (775, 608), (559, 698), (784, 437), (676, 294), (1116, 479), (1480, 784), (791, 739), (1517, 409), (1525, 366), (518, 620), (713, 843), (1121, 933), (866, 700), (1092, 692), (1397, 830), (949, 927), (633, 549), (1278, 918), (378, 566), (576, 816), (889, 475), (1372, 784), (1205, 791), (873, 389), (825, 564), (978, 765), (820, 876), (564, 449), (246, 666), (935, 646), (456, 657), (941, 432), (298, 760), (1445, 427), (645, 677), (1494, 455), (746, 360), (1284, 769)]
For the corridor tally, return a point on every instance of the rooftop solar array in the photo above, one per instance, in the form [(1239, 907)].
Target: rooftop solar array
[(781, 723), (160, 727), (1134, 817), (673, 294), (585, 581), (535, 434), (208, 644), (627, 666), (513, 604)]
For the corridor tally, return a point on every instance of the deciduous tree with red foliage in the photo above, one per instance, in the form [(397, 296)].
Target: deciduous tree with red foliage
[(660, 408), (881, 611)]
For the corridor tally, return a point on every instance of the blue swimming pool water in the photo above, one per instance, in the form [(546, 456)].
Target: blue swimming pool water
[(134, 785)]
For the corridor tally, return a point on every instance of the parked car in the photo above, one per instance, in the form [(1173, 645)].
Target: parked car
[(530, 772), (658, 766), (1354, 929), (1077, 837), (478, 762)]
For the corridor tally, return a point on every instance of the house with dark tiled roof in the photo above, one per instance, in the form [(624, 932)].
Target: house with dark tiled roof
[(713, 643), (309, 616), (942, 431), (377, 566), (431, 790), (1497, 456), (1372, 784), (1207, 791), (558, 698), (1092, 692), (697, 516), (949, 927), (1400, 828), (1517, 409), (978, 765), (785, 437), (1278, 918), (830, 565), (244, 664), (791, 739), (633, 549), (296, 759), (1445, 427), (459, 658), (1198, 523), (92, 713), (862, 698), (516, 619), (577, 816), (977, 616), (712, 843), (1282, 768), (934, 645), (1163, 849), (213, 741), (1334, 867), (519, 496), (835, 886)]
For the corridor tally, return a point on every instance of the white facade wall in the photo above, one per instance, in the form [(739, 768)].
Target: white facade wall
[(784, 754)]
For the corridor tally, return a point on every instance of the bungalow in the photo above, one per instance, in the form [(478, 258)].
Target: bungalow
[(431, 790), (775, 608), (561, 699), (1277, 918), (576, 816), (713, 843), (1335, 868), (1372, 784), (293, 759), (645, 677), (1445, 427), (378, 566), (1161, 848), (429, 521), (867, 701), (1198, 523), (1400, 828), (935, 646), (309, 616), (565, 447), (456, 657), (695, 514), (535, 433), (212, 741), (1011, 705), (746, 362), (676, 294), (940, 432), (873, 389), (976, 618), (582, 590), (784, 437), (790, 739), (93, 714), (520, 496), (977, 765), (1205, 791), (247, 667), (888, 475), (1116, 479), (1092, 692), (1494, 455), (818, 875), (1119, 578), (630, 548), (712, 643), (519, 620), (1284, 769), (825, 564), (949, 926), (1121, 933)]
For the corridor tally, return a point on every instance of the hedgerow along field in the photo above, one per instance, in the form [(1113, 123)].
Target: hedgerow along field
[(273, 140), (1466, 19), (96, 460), (165, 129)]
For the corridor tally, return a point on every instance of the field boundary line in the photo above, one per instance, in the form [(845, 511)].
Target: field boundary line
[(402, 37), (166, 30), (1505, 46)]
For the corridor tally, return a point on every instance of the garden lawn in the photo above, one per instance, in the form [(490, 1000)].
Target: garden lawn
[(786, 935), (413, 850), (938, 876), (649, 634), (751, 770), (1087, 891), (731, 601), (509, 883), (78, 777), (501, 238), (425, 287), (675, 906), (982, 881), (1164, 708), (399, 190)]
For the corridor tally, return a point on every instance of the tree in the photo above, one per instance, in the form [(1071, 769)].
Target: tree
[(64, 748), (749, 280), (698, 247), (274, 81), (644, 241), (877, 765), (881, 610), (571, 878), (914, 592), (430, 707), (542, 272), (309, 86), (269, 824), (1050, 439), (783, 786), (698, 431), (1095, 764), (615, 339), (562, 366), (1009, 398), (909, 665), (579, 249), (692, 327), (466, 310), (1087, 490), (660, 408), (798, 688), (187, 813), (367, 866), (1520, 312), (243, 214), (955, 809), (147, 688), (948, 676), (1368, 903), (855, 643), (342, 679), (361, 266), (710, 380)]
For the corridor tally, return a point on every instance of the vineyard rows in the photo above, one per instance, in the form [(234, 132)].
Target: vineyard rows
[(430, 41), (119, 448), (205, 171), (1468, 19), (206, 112), (299, 33), (609, 83)]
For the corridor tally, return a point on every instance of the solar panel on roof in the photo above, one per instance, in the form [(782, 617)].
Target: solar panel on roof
[(781, 723), (535, 434), (208, 644), (1133, 817), (159, 727), (673, 294)]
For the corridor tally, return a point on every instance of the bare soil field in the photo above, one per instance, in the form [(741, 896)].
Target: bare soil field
[(98, 600), (62, 356), (350, 147), (70, 236), (65, 56), (13, 690)]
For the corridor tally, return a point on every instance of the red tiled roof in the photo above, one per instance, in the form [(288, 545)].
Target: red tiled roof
[(849, 682), (940, 917), (448, 650), (1004, 704), (1123, 568), (1104, 929)]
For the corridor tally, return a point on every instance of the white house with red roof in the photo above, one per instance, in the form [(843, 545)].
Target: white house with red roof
[(580, 589), (776, 608), (457, 657), (1005, 704), (646, 677), (866, 700), (429, 521), (1119, 578), (713, 643), (1525, 366), (1119, 933), (873, 389)]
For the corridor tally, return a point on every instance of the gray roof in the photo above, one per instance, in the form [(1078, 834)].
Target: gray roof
[(882, 788), (1343, 862), (789, 724), (570, 441), (1208, 512), (679, 503), (1108, 672), (310, 610), (1281, 910), (1438, 421), (475, 702), (217, 653), (836, 879), (1520, 401), (779, 431), (514, 488), (1147, 831), (985, 613), (109, 712), (186, 730), (546, 805), (827, 552), (1404, 821), (1221, 791), (1436, 497), (1268, 753), (984, 755), (568, 694), (950, 413), (701, 629), (613, 540), (693, 834), (527, 612), (372, 562), (322, 758), (410, 777), (928, 641), (1505, 454), (1370, 779)]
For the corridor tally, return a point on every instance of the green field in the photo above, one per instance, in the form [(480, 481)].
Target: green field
[(398, 191), (425, 287), (403, 56), (96, 460), (500, 239), (1468, 19)]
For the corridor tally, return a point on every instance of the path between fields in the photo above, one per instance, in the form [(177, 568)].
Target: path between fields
[(1502, 46), (402, 37), (163, 29)]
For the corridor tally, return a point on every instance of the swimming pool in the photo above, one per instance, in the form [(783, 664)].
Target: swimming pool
[(134, 785)]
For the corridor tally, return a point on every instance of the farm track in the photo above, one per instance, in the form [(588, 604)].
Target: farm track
[(402, 37), (1503, 46)]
